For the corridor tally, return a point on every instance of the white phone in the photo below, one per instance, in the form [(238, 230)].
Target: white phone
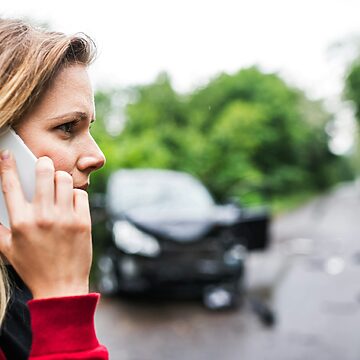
[(25, 163)]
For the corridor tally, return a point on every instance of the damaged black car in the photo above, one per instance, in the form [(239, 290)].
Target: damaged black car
[(167, 235)]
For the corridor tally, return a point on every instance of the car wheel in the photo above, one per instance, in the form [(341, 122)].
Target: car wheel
[(107, 283)]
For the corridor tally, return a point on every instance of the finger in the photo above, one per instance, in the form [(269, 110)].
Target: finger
[(81, 204), (11, 187), (44, 191), (64, 190)]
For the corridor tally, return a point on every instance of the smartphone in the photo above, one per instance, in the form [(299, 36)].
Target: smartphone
[(25, 163)]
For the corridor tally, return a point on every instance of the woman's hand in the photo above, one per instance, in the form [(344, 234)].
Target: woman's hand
[(49, 241)]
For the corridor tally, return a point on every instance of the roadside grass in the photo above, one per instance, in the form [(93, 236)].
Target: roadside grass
[(282, 205)]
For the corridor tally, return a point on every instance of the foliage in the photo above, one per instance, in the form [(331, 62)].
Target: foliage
[(248, 136), (352, 86)]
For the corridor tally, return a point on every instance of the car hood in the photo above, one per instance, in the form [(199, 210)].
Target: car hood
[(182, 225)]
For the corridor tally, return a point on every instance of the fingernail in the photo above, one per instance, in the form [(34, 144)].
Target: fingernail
[(5, 154)]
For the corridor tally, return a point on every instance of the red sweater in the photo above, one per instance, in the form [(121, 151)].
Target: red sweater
[(63, 328)]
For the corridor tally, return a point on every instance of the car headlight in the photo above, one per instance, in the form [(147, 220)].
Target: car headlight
[(235, 255), (133, 241)]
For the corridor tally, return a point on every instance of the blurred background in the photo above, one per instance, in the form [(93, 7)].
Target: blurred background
[(226, 218)]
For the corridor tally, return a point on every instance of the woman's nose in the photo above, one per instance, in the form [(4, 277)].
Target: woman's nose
[(93, 159)]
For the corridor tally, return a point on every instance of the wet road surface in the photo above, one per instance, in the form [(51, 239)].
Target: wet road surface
[(310, 277)]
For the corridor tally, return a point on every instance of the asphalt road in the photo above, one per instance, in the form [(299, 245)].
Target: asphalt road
[(310, 277)]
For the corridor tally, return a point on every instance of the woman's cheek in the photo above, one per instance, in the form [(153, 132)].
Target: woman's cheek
[(61, 155), (62, 161)]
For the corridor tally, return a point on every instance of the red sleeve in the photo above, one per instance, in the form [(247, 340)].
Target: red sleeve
[(63, 328), (2, 355)]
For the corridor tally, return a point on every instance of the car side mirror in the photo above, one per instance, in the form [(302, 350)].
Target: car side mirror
[(234, 201)]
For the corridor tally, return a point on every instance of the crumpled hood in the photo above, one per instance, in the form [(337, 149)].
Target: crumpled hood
[(183, 225)]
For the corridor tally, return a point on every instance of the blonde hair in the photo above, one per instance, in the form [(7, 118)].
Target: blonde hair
[(30, 57)]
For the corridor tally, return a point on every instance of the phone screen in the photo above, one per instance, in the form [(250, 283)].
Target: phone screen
[(25, 163)]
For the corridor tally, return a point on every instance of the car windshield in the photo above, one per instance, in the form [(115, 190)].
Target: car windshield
[(133, 189)]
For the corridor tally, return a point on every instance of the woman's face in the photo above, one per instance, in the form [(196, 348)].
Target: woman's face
[(58, 126)]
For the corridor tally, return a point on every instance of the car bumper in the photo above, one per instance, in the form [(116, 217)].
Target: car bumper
[(139, 274)]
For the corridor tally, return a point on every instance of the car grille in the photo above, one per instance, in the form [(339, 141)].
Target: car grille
[(209, 248)]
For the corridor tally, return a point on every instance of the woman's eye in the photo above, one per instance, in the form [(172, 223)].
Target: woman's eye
[(68, 127)]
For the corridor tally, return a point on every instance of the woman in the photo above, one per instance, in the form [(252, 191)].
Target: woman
[(46, 96)]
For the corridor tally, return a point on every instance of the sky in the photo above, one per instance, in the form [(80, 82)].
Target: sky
[(193, 40)]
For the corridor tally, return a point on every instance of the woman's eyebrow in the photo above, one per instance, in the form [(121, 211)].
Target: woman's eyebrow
[(74, 114)]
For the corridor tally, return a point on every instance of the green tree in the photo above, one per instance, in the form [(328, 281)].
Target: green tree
[(247, 135), (352, 86)]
